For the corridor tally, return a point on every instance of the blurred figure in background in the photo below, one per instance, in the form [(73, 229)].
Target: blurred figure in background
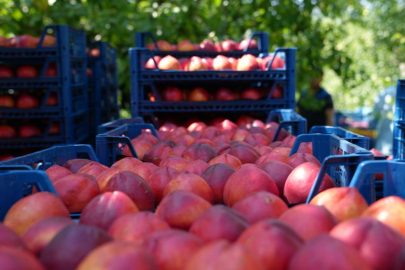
[(315, 104)]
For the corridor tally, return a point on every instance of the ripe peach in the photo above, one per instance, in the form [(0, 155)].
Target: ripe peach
[(309, 220), (199, 151), (104, 209), (74, 165), (32, 209), (103, 178), (15, 259), (136, 227), (181, 208), (279, 171), (56, 172), (197, 167), (227, 159), (248, 179), (266, 205), (299, 158)]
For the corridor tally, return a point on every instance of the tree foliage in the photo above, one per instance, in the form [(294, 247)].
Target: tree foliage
[(359, 43)]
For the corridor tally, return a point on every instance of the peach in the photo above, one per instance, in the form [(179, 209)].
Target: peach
[(197, 167), (300, 181), (32, 209), (227, 159), (184, 140), (247, 62), (223, 148), (248, 43), (305, 148), (208, 62), (162, 45), (376, 242), (174, 162), (199, 94), (56, 172), (150, 64), (240, 135), (309, 220), (136, 227), (181, 208), (104, 209), (325, 252), (248, 179), (257, 139), (199, 151), (93, 169), (64, 252), (225, 94), (140, 146), (282, 150), (178, 150), (185, 45), (204, 141), (9, 238), (195, 64), (251, 94), (210, 133), (192, 183), (196, 126), (148, 136), (272, 156), (220, 140), (266, 205), (135, 187), (15, 259), (216, 176), (234, 62), (41, 233), (221, 63), (279, 171), (126, 164), (103, 178), (289, 140), (299, 158), (244, 154), (74, 165), (77, 190), (273, 242), (118, 255), (208, 45), (169, 63), (157, 153), (144, 169), (225, 256), (343, 202), (219, 222), (390, 211), (229, 45), (159, 179), (172, 249)]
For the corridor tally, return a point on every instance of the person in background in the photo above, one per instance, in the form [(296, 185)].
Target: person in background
[(315, 104)]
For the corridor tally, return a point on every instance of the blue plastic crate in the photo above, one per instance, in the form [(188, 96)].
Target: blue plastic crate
[(74, 129), (349, 136), (398, 149), (392, 185), (103, 85), (141, 40), (58, 155), (146, 82), (109, 145), (117, 123), (16, 184), (19, 175), (339, 159), (289, 120), (69, 56)]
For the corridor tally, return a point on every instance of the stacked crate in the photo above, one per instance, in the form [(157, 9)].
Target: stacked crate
[(147, 84), (103, 85), (60, 89)]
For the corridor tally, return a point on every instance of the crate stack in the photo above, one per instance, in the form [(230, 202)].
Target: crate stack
[(276, 85), (46, 90), (103, 85)]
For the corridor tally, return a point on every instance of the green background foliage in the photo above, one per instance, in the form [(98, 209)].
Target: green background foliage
[(360, 44)]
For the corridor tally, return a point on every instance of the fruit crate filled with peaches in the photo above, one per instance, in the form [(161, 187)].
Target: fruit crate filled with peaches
[(230, 79), (43, 90), (196, 211), (103, 84)]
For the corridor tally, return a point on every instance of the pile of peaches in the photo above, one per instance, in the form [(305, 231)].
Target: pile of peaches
[(247, 62), (202, 197)]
